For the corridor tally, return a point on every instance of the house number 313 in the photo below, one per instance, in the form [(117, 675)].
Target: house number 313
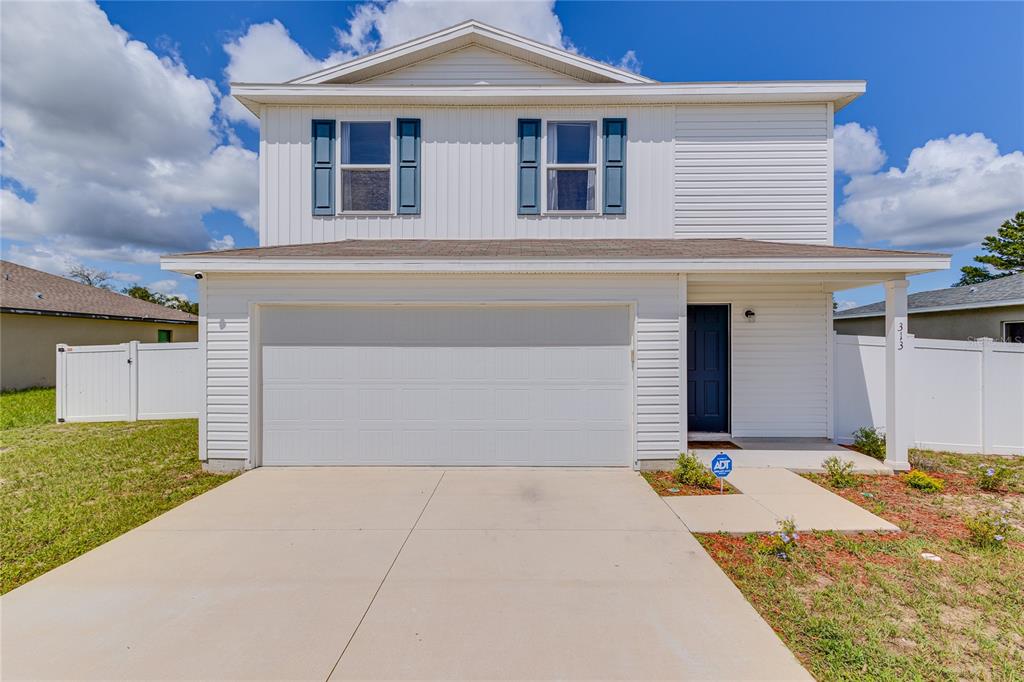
[(899, 336)]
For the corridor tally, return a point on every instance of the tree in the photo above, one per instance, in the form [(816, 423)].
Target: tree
[(168, 301), (1005, 254), (93, 277)]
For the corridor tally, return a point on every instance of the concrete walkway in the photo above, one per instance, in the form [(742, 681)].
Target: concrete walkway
[(409, 573), (768, 496)]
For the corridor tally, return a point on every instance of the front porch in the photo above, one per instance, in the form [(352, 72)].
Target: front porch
[(801, 455)]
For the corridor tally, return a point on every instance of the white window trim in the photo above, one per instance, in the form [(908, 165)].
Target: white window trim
[(1003, 324), (596, 167), (390, 167)]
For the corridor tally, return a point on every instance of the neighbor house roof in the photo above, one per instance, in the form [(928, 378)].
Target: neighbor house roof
[(24, 290), (1003, 291), (476, 255)]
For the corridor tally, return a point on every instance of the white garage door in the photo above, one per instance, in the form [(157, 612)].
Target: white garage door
[(480, 385)]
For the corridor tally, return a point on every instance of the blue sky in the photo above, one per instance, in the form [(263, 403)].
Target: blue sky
[(933, 70)]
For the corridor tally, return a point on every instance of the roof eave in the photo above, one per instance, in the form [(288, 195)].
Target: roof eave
[(839, 93), (938, 309), (905, 265)]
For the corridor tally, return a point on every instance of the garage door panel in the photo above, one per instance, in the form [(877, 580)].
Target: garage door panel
[(406, 399)]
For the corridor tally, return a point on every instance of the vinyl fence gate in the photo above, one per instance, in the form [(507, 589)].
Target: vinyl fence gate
[(128, 382)]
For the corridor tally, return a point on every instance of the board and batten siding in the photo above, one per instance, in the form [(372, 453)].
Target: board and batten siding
[(695, 171), (471, 66), (229, 299), (468, 175), (779, 363), (754, 171)]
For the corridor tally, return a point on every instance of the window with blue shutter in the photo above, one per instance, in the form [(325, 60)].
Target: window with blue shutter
[(408, 165), (323, 167), (529, 166), (614, 165)]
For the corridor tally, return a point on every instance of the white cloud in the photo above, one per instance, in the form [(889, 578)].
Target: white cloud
[(41, 258), (630, 62), (120, 147), (857, 150), (163, 286), (952, 193), (845, 305), (225, 242), (129, 277)]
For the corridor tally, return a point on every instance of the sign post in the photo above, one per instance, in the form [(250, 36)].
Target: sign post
[(721, 466)]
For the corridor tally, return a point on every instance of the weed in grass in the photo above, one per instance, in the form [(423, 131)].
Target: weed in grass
[(784, 543), (919, 480), (870, 441), (839, 472), (989, 530), (691, 471)]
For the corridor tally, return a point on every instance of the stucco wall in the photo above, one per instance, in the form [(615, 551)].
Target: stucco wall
[(955, 325), (28, 342)]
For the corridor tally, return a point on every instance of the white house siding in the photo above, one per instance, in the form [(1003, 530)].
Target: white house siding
[(470, 66), (754, 171), (779, 362), (229, 299), (468, 171)]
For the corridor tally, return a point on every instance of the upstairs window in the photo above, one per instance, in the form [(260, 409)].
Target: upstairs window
[(571, 166), (366, 166)]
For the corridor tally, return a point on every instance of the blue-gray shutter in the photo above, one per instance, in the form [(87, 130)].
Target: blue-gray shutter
[(529, 166), (323, 167), (408, 165), (614, 165)]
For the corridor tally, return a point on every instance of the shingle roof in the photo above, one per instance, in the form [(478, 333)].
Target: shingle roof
[(552, 248), (25, 289), (1005, 289)]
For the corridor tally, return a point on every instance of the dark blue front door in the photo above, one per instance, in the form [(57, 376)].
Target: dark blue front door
[(707, 367)]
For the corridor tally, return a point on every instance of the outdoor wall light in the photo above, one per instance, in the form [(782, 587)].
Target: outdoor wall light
[(750, 315)]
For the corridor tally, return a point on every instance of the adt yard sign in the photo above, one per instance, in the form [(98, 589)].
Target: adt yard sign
[(721, 465)]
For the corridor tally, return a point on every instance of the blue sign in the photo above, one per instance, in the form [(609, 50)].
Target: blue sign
[(721, 465)]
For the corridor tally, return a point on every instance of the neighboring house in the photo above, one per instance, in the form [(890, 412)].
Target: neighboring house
[(993, 309), (39, 310), (477, 249)]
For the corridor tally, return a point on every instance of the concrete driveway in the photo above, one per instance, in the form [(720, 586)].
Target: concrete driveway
[(346, 573)]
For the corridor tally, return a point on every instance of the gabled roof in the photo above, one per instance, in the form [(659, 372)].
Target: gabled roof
[(471, 33), (24, 290), (1003, 291)]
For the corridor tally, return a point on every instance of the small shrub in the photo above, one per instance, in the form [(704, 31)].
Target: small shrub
[(988, 530), (870, 441), (784, 543), (919, 480), (994, 477), (839, 472), (690, 471)]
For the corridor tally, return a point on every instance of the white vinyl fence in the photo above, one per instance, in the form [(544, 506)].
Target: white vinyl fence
[(968, 395), (128, 381)]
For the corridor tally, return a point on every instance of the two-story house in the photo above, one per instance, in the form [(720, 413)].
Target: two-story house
[(476, 249)]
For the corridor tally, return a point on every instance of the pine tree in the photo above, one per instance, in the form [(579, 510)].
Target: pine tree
[(1005, 254)]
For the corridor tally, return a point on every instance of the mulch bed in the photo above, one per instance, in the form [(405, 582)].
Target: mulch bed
[(664, 485)]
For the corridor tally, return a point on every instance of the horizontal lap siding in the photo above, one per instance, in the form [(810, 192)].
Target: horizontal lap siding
[(468, 176), (754, 171), (779, 362), (228, 328)]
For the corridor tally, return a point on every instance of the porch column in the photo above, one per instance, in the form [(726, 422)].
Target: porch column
[(898, 402), (683, 408)]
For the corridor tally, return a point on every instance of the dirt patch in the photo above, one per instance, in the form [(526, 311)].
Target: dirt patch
[(665, 485)]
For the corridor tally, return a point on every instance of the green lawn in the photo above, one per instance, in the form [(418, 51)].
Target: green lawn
[(67, 488), (30, 407), (871, 607)]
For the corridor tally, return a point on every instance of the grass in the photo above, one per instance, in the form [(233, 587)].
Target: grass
[(865, 606), (67, 488), (30, 407)]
